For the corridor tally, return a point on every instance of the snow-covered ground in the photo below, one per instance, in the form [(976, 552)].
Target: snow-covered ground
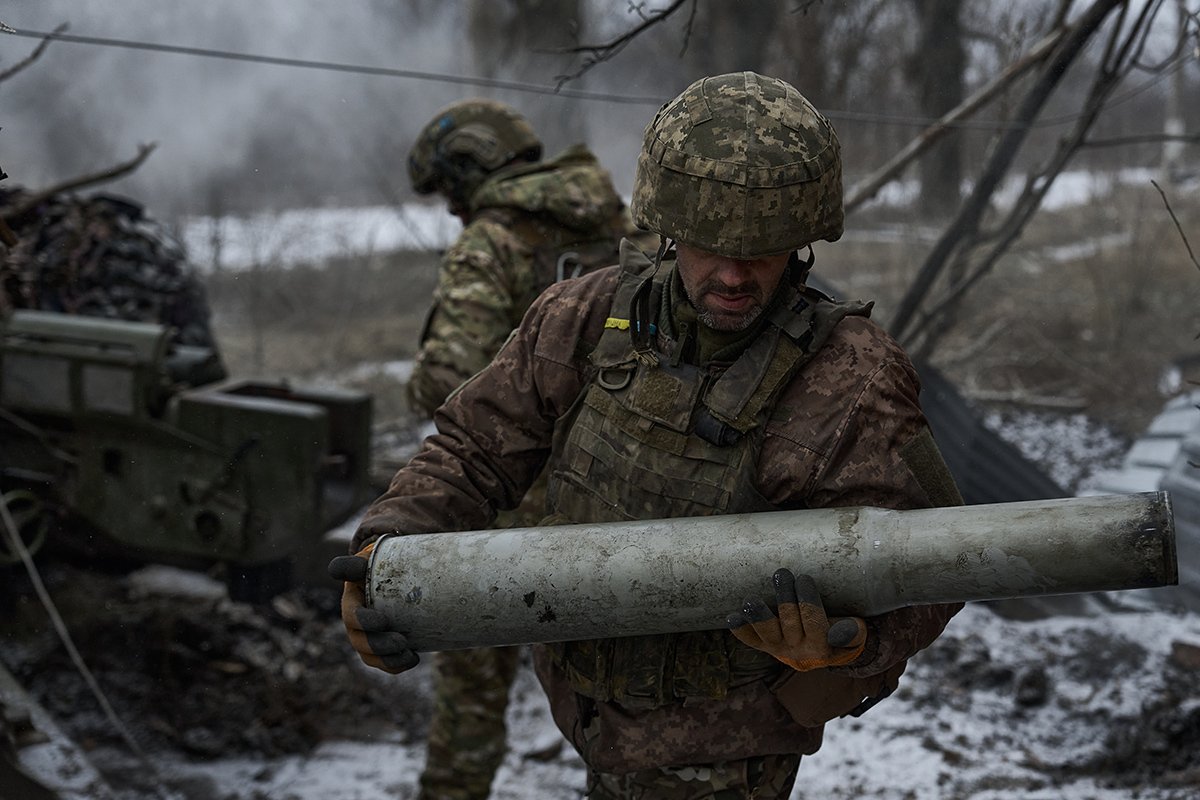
[(1066, 708), (313, 235), (1071, 449)]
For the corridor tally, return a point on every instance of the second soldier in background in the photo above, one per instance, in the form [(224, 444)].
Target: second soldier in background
[(528, 223)]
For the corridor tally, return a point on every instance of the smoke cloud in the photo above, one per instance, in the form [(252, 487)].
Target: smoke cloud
[(236, 137)]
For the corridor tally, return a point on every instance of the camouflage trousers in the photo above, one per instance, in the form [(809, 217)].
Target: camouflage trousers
[(467, 732), (761, 777)]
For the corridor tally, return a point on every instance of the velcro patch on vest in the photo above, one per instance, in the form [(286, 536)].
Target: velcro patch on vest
[(656, 472), (924, 460), (666, 395)]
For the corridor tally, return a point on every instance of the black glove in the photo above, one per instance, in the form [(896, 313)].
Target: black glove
[(370, 633)]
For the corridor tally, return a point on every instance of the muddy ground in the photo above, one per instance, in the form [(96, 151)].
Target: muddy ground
[(999, 706), (195, 674)]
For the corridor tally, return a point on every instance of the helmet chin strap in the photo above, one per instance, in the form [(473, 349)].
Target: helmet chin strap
[(797, 269), (665, 247)]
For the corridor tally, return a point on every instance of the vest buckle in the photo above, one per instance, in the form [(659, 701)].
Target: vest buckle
[(714, 431)]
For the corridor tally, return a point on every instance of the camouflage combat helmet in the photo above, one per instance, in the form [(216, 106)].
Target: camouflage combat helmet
[(467, 141), (741, 165)]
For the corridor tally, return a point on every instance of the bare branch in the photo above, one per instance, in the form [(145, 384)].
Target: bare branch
[(32, 57), (599, 53), (803, 7), (1178, 227), (867, 188), (687, 30), (959, 234), (1027, 399), (978, 344), (118, 171), (1061, 13), (1037, 184)]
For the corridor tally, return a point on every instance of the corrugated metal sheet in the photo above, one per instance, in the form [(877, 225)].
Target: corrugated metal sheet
[(1154, 452)]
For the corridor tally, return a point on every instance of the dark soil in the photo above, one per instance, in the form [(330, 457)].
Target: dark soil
[(198, 676)]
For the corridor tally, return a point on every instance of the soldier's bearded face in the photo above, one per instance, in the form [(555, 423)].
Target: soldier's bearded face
[(728, 293)]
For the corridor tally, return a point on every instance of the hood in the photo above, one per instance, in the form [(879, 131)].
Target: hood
[(573, 189)]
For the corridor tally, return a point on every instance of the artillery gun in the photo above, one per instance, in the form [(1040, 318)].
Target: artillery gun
[(116, 439)]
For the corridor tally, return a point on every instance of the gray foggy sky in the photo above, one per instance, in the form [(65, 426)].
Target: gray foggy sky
[(237, 136), (278, 135)]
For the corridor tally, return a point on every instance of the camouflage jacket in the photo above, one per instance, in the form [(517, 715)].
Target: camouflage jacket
[(837, 436), (492, 273)]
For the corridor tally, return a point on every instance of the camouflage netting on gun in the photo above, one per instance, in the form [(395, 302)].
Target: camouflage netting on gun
[(100, 256)]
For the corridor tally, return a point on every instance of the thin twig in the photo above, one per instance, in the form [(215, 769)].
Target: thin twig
[(867, 188), (9, 527), (1178, 227), (597, 53), (32, 57), (79, 182), (687, 30)]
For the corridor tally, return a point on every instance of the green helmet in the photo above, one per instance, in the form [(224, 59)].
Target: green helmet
[(467, 141), (741, 165)]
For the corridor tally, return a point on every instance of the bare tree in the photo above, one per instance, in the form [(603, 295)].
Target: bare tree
[(937, 68), (1172, 153), (965, 247), (868, 187)]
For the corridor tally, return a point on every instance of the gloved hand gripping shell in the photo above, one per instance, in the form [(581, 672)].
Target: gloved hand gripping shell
[(370, 632), (801, 636)]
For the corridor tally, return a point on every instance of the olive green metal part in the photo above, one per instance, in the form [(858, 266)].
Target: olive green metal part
[(111, 425)]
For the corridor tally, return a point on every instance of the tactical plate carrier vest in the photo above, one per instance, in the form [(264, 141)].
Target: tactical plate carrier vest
[(649, 440)]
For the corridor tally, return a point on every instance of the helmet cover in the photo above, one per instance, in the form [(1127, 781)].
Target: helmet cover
[(465, 142), (740, 165)]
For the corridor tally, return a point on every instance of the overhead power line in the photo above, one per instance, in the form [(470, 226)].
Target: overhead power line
[(541, 89), (359, 69)]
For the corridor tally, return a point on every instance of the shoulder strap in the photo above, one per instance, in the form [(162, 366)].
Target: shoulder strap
[(798, 328), (616, 344)]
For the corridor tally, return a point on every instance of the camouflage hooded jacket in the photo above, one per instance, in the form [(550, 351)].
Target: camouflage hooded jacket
[(491, 274)]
